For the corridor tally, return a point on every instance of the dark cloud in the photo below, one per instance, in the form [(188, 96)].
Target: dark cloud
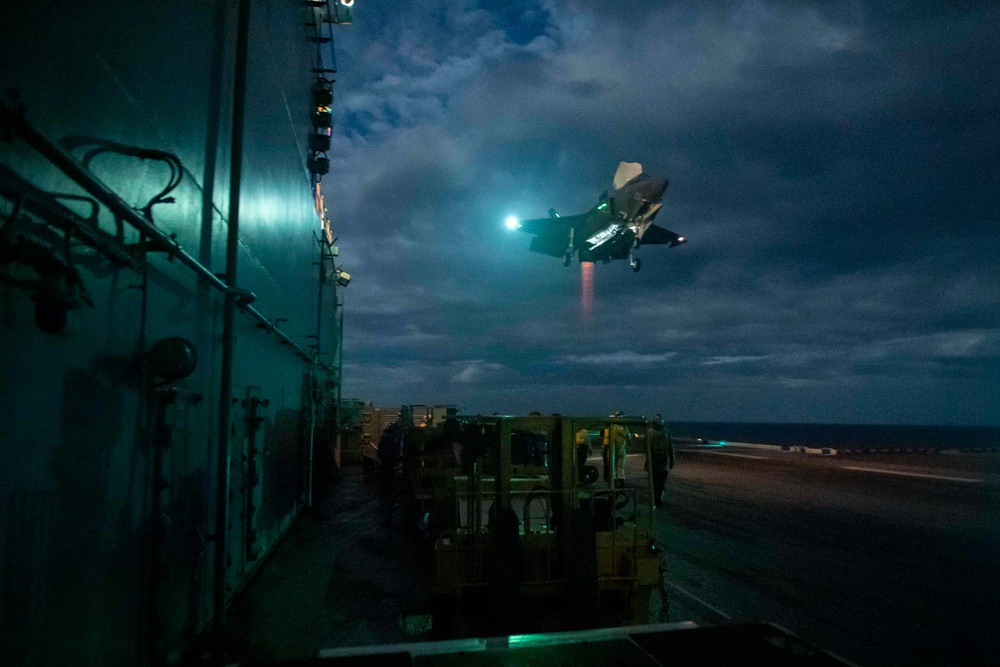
[(521, 20), (834, 167)]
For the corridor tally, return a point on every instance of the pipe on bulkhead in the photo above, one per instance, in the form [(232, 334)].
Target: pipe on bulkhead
[(229, 312), (313, 390), (159, 240), (309, 460)]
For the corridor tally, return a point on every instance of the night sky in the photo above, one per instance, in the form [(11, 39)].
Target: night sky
[(835, 169)]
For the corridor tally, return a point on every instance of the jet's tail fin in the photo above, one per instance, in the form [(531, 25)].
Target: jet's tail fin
[(626, 172)]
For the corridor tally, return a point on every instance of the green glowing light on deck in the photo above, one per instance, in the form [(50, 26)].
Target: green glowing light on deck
[(602, 206), (523, 640)]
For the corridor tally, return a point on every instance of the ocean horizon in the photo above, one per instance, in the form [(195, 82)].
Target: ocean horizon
[(845, 436)]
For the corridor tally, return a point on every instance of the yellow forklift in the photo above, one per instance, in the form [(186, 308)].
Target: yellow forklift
[(527, 536)]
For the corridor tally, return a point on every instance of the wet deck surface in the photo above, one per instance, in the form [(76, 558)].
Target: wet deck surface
[(884, 560), (348, 575)]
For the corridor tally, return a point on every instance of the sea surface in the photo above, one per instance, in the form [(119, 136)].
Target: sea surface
[(845, 436)]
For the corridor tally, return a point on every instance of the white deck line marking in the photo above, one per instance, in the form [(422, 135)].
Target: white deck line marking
[(687, 593), (967, 480), (742, 456)]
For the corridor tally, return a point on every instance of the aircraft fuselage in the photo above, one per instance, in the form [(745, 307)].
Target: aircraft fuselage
[(613, 229)]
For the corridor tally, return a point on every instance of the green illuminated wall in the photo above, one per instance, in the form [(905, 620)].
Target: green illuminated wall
[(76, 491)]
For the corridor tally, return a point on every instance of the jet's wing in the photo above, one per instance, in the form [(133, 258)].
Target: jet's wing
[(554, 226), (551, 234), (553, 246), (655, 234)]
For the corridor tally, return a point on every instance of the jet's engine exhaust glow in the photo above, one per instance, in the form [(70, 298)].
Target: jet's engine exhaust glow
[(586, 290)]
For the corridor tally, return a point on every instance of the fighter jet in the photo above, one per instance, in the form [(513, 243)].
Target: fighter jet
[(613, 229)]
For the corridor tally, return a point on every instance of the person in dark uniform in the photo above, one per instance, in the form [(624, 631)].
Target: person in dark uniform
[(389, 456), (661, 454)]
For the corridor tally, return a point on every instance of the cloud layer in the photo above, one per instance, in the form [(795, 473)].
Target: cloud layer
[(834, 168)]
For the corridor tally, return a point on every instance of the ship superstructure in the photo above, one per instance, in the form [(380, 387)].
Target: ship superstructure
[(170, 294)]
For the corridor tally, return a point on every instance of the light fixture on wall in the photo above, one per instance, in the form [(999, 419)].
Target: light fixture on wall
[(343, 278), (322, 119), (319, 165), (319, 143), (172, 358)]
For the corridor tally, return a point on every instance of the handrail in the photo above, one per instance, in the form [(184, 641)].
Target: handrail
[(46, 205), (69, 165), (14, 118), (285, 340)]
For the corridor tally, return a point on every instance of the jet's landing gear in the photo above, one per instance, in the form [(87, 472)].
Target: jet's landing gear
[(567, 258), (635, 263)]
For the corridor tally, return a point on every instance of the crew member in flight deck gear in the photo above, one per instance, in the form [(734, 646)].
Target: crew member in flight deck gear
[(615, 441), (661, 453), (582, 449)]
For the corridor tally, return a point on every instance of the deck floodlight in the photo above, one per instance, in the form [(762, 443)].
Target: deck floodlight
[(512, 222), (343, 278)]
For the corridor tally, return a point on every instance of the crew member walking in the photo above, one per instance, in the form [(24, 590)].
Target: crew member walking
[(661, 454)]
